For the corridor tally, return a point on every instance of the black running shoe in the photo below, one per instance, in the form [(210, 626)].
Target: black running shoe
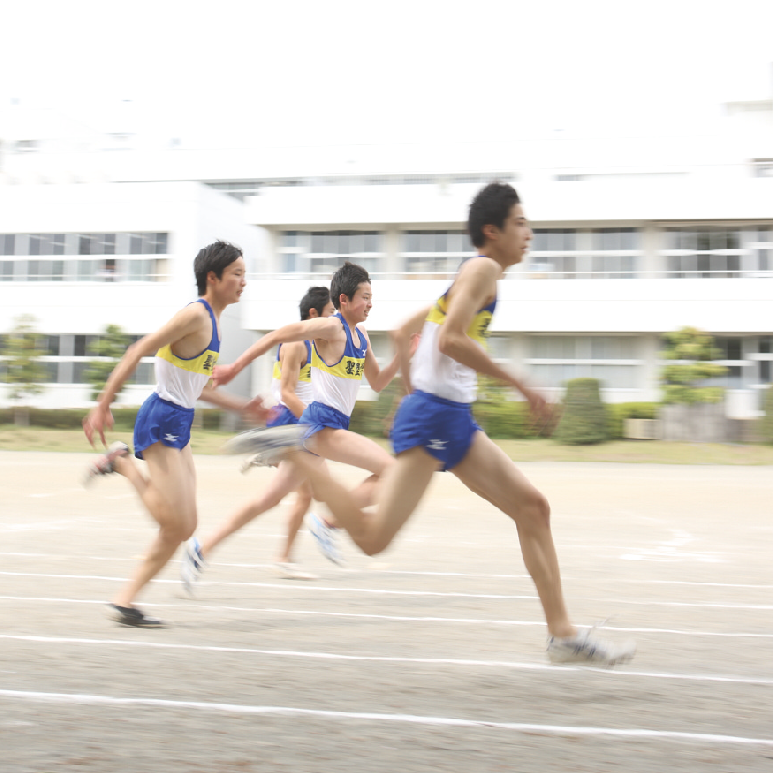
[(133, 618)]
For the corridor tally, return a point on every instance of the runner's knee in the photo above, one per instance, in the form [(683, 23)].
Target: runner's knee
[(535, 512)]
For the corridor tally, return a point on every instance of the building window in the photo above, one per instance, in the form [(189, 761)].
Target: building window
[(7, 244), (323, 252), (615, 253), (6, 270), (554, 252), (703, 253), (614, 360), (434, 252), (148, 243)]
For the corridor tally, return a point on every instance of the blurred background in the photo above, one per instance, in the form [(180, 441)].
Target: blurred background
[(638, 135)]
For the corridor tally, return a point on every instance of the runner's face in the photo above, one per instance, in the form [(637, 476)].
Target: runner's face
[(329, 310), (233, 281), (515, 236), (360, 305)]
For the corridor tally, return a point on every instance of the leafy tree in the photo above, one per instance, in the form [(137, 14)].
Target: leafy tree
[(25, 373), (110, 346), (691, 352)]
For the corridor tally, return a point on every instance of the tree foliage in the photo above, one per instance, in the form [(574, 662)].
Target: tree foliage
[(23, 349), (109, 348), (691, 353)]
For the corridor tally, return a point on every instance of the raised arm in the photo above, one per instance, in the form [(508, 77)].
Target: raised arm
[(402, 341), (318, 328)]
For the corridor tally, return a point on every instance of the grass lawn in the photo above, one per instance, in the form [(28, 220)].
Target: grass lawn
[(14, 438)]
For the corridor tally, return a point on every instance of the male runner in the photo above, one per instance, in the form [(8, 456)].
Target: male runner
[(186, 349), (434, 428)]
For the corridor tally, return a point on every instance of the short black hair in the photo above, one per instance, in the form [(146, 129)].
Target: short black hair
[(346, 281), (491, 206), (315, 298), (214, 257)]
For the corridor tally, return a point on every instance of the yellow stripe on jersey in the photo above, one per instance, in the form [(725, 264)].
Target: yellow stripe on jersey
[(304, 375), (202, 364), (479, 327), (348, 367)]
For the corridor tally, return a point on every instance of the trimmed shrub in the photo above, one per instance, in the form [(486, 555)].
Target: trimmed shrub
[(766, 423), (584, 417), (617, 413), (505, 419)]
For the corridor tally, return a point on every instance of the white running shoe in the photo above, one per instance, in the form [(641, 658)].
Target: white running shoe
[(290, 571), (589, 649), (103, 465), (270, 444), (325, 537), (191, 566)]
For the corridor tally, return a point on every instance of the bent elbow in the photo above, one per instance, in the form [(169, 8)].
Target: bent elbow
[(447, 344)]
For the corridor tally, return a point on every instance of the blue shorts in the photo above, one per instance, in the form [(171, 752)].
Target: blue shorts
[(319, 416), (443, 428), (160, 421), (280, 416)]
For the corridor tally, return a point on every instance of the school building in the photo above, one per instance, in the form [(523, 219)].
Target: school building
[(633, 238)]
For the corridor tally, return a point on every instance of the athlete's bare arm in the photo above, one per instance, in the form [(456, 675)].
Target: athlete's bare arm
[(188, 332), (322, 328), (405, 344), (292, 357), (377, 379), (473, 289)]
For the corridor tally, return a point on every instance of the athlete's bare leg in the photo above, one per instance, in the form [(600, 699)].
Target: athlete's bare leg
[(341, 445), (401, 490), (287, 479), (301, 506), (170, 497), (490, 473)]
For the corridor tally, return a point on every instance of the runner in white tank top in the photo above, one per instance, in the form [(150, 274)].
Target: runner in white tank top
[(435, 429)]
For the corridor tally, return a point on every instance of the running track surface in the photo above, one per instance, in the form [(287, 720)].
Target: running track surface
[(429, 657)]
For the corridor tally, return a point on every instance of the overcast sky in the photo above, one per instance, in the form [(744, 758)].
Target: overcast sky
[(242, 74)]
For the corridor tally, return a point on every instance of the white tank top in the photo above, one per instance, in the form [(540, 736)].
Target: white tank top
[(302, 385), (182, 381), (438, 374), (337, 385)]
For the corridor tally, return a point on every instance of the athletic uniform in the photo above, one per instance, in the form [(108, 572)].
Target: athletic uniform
[(334, 387), (281, 414), (167, 415), (437, 416)]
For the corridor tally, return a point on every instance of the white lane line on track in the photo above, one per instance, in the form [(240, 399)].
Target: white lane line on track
[(396, 618), (367, 570), (524, 666), (313, 587), (235, 708)]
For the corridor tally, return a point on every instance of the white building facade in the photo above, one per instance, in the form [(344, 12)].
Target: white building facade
[(632, 240)]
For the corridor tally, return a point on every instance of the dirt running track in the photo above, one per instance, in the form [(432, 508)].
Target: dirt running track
[(428, 658)]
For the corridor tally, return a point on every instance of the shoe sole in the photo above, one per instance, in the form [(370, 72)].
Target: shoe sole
[(266, 443)]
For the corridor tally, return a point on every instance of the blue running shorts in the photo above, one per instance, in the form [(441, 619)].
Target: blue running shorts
[(160, 421), (281, 415), (319, 416), (443, 428)]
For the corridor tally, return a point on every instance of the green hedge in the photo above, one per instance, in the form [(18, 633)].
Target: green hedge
[(72, 418), (766, 423), (504, 420)]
